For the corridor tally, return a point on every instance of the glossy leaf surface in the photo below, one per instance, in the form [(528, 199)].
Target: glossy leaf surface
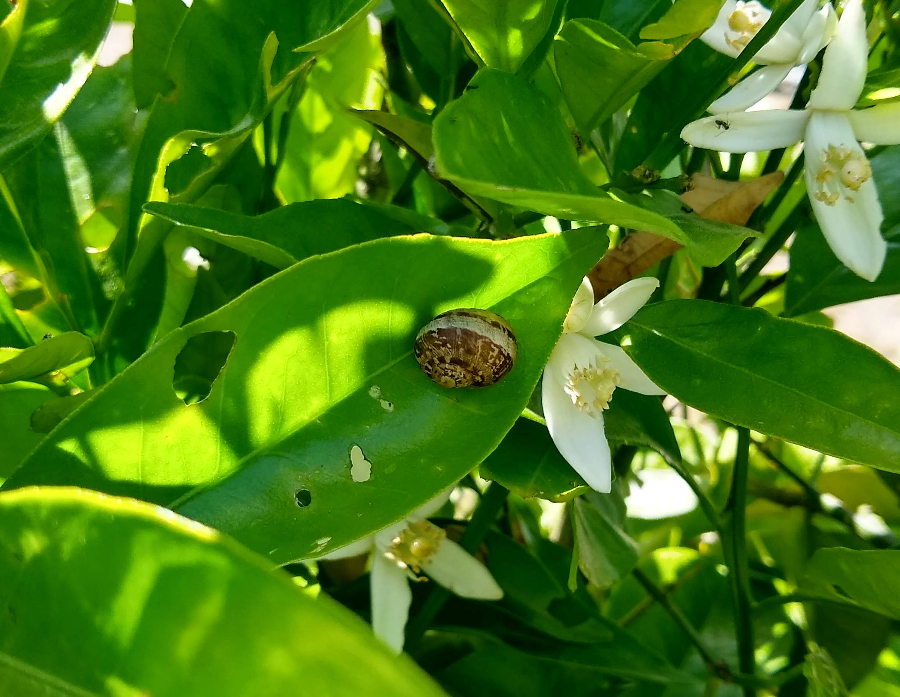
[(867, 579), (503, 34), (290, 233), (139, 600), (506, 141), (47, 61), (727, 361), (68, 352), (307, 380)]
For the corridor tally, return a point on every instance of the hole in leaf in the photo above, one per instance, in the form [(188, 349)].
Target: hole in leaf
[(303, 498), (840, 591), (199, 364), (181, 173)]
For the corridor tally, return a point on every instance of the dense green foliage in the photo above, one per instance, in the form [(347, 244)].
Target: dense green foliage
[(217, 249)]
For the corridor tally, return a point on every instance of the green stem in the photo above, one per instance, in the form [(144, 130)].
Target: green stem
[(765, 212), (716, 666), (491, 502), (734, 291), (773, 245), (736, 555)]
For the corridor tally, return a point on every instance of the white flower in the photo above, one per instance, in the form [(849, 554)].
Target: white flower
[(402, 552), (797, 41), (838, 175), (582, 374)]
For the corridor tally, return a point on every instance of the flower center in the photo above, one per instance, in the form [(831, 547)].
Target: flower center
[(592, 388), (415, 545), (841, 172), (744, 22)]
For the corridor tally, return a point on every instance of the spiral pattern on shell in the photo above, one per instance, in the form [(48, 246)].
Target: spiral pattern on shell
[(466, 347)]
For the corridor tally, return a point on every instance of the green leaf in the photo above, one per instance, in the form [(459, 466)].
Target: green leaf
[(48, 415), (17, 402), (230, 61), (606, 552), (140, 601), (503, 34), (288, 234), (503, 139), (69, 352), (695, 587), (431, 34), (413, 135), (528, 464), (46, 62), (325, 143), (866, 579), (808, 385), (817, 279), (683, 18), (156, 23), (599, 69), (641, 420), (322, 362), (12, 332)]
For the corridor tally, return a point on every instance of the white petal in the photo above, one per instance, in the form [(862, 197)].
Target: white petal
[(581, 307), (571, 350), (631, 376), (619, 306), (819, 32), (750, 131), (391, 598), (852, 229), (797, 23), (354, 549), (429, 509), (661, 493), (751, 89), (879, 125), (782, 48), (578, 436), (457, 570), (844, 64), (714, 37)]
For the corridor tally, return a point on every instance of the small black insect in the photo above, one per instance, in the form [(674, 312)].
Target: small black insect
[(722, 124), (47, 335)]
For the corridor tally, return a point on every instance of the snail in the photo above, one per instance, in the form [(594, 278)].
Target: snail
[(466, 348)]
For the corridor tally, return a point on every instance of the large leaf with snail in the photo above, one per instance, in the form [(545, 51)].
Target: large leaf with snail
[(322, 362)]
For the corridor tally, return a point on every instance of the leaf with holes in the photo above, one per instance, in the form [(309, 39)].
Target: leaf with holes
[(141, 601), (322, 362)]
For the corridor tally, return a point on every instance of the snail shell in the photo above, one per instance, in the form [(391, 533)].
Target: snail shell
[(466, 348)]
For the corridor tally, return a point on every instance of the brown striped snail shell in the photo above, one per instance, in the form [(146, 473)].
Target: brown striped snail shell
[(466, 348)]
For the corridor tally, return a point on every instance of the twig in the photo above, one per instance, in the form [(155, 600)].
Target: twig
[(736, 555), (716, 666)]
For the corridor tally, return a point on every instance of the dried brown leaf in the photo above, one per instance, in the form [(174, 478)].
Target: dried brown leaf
[(715, 199)]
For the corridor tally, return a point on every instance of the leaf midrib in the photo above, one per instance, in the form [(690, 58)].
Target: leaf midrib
[(239, 465), (687, 347)]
